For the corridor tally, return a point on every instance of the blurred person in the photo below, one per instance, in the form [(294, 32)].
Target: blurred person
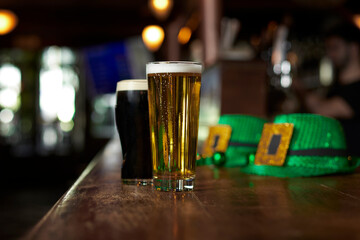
[(342, 101)]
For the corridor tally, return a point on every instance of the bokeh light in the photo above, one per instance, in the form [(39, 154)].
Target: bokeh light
[(161, 8), (6, 115), (8, 21), (161, 4), (184, 35), (153, 36), (356, 19), (285, 81)]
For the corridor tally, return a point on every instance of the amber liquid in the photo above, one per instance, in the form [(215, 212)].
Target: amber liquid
[(174, 100)]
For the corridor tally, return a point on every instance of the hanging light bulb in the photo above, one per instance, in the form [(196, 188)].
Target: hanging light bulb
[(161, 8), (153, 36), (8, 21)]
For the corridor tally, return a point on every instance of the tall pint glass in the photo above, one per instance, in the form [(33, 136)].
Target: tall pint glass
[(174, 99), (132, 121)]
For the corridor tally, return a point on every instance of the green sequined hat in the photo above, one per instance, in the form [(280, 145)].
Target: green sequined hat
[(317, 147), (245, 136)]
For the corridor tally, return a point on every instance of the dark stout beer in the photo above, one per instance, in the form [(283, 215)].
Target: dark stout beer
[(132, 121)]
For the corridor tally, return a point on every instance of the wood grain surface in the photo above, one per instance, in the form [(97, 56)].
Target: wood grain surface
[(226, 204)]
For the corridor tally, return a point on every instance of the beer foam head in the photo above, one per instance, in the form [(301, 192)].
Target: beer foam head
[(173, 67), (132, 84)]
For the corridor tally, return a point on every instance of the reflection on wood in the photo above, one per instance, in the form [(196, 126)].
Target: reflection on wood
[(225, 205)]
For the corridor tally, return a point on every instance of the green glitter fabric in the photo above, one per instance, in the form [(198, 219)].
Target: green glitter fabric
[(314, 131), (245, 128), (245, 136), (310, 132)]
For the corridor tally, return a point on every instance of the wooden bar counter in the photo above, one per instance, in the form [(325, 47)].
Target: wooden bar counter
[(226, 204)]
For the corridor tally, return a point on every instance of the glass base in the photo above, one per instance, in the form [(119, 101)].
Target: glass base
[(139, 182), (175, 185)]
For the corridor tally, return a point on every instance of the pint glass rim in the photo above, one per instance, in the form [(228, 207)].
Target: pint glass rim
[(132, 85), (173, 67), (174, 62)]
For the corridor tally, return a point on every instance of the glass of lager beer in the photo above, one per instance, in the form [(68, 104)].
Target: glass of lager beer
[(132, 121), (174, 98)]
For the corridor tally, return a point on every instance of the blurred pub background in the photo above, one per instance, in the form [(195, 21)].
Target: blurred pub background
[(60, 61)]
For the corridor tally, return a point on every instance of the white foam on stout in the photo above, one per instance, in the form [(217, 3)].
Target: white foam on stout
[(178, 67), (132, 84)]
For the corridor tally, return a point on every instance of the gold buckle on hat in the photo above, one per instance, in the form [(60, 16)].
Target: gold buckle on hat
[(274, 144), (217, 140)]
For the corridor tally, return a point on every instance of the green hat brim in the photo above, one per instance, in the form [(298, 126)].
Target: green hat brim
[(305, 166)]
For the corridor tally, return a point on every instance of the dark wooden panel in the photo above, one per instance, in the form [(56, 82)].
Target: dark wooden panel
[(225, 205), (243, 89)]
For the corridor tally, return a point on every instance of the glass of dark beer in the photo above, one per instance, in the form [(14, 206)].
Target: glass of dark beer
[(174, 99), (132, 121)]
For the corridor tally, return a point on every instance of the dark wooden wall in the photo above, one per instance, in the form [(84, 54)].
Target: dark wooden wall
[(243, 89)]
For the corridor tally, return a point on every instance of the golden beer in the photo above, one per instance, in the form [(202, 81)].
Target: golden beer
[(174, 99)]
